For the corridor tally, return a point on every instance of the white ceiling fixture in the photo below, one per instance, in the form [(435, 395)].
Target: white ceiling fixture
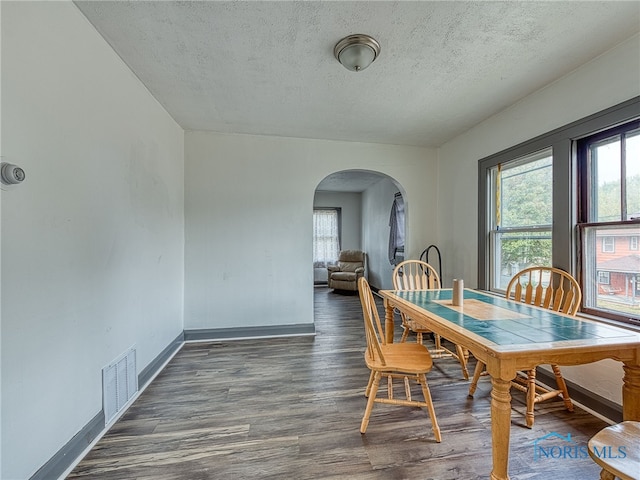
[(357, 52)]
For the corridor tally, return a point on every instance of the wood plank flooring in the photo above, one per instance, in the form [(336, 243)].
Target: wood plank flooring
[(290, 408)]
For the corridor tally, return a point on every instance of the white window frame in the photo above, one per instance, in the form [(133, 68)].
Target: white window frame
[(608, 244)]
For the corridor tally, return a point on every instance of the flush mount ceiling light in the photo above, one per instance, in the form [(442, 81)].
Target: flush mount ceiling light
[(357, 52)]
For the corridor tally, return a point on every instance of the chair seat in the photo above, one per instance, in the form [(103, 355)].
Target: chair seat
[(344, 276), (408, 357), (604, 449)]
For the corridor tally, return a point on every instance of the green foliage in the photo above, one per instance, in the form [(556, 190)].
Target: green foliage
[(527, 201), (526, 251), (527, 195), (608, 200)]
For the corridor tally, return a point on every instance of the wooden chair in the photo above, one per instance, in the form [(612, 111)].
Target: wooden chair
[(419, 275), (544, 287), (615, 449), (396, 360)]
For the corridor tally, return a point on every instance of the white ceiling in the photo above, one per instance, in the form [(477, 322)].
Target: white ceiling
[(267, 67)]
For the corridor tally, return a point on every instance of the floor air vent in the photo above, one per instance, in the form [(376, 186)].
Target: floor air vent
[(119, 383)]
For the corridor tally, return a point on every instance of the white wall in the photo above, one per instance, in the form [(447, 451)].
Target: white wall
[(350, 204), (248, 203), (376, 210), (0, 248), (605, 81), (92, 241)]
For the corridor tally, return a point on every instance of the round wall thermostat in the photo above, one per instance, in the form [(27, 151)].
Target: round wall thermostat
[(11, 174)]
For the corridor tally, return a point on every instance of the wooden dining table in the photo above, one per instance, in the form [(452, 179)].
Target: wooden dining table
[(510, 336)]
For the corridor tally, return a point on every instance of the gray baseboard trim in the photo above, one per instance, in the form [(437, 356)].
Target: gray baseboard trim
[(68, 454), (601, 405), (242, 333), (150, 370)]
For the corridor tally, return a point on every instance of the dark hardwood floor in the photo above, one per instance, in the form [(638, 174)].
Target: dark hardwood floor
[(290, 408)]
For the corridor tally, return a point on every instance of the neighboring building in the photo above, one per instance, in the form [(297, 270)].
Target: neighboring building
[(618, 262)]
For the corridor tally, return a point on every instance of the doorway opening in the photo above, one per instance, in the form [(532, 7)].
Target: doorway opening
[(363, 203)]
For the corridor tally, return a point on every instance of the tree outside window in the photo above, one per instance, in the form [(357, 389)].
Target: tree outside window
[(522, 216)]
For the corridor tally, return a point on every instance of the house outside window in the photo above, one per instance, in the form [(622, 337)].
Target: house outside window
[(609, 165), (603, 278)]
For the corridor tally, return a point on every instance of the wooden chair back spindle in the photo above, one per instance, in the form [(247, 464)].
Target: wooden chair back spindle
[(546, 287), (372, 326), (415, 275)]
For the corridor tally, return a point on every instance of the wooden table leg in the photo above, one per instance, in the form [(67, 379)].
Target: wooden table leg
[(388, 321), (631, 392), (500, 427)]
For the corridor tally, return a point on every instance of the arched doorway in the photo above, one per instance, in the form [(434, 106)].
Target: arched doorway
[(363, 200)]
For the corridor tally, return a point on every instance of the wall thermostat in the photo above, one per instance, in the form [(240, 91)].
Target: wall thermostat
[(11, 174)]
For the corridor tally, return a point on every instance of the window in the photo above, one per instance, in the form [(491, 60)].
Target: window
[(609, 164), (610, 174), (593, 210), (608, 245), (522, 216), (326, 236)]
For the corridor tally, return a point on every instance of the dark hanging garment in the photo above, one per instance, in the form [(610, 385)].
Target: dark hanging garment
[(396, 233)]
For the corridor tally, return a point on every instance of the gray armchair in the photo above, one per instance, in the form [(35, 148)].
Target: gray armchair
[(345, 275)]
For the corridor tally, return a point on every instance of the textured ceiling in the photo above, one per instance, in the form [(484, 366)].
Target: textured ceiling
[(268, 68)]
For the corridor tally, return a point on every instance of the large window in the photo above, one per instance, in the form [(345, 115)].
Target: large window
[(326, 236), (522, 216), (609, 166), (570, 199)]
